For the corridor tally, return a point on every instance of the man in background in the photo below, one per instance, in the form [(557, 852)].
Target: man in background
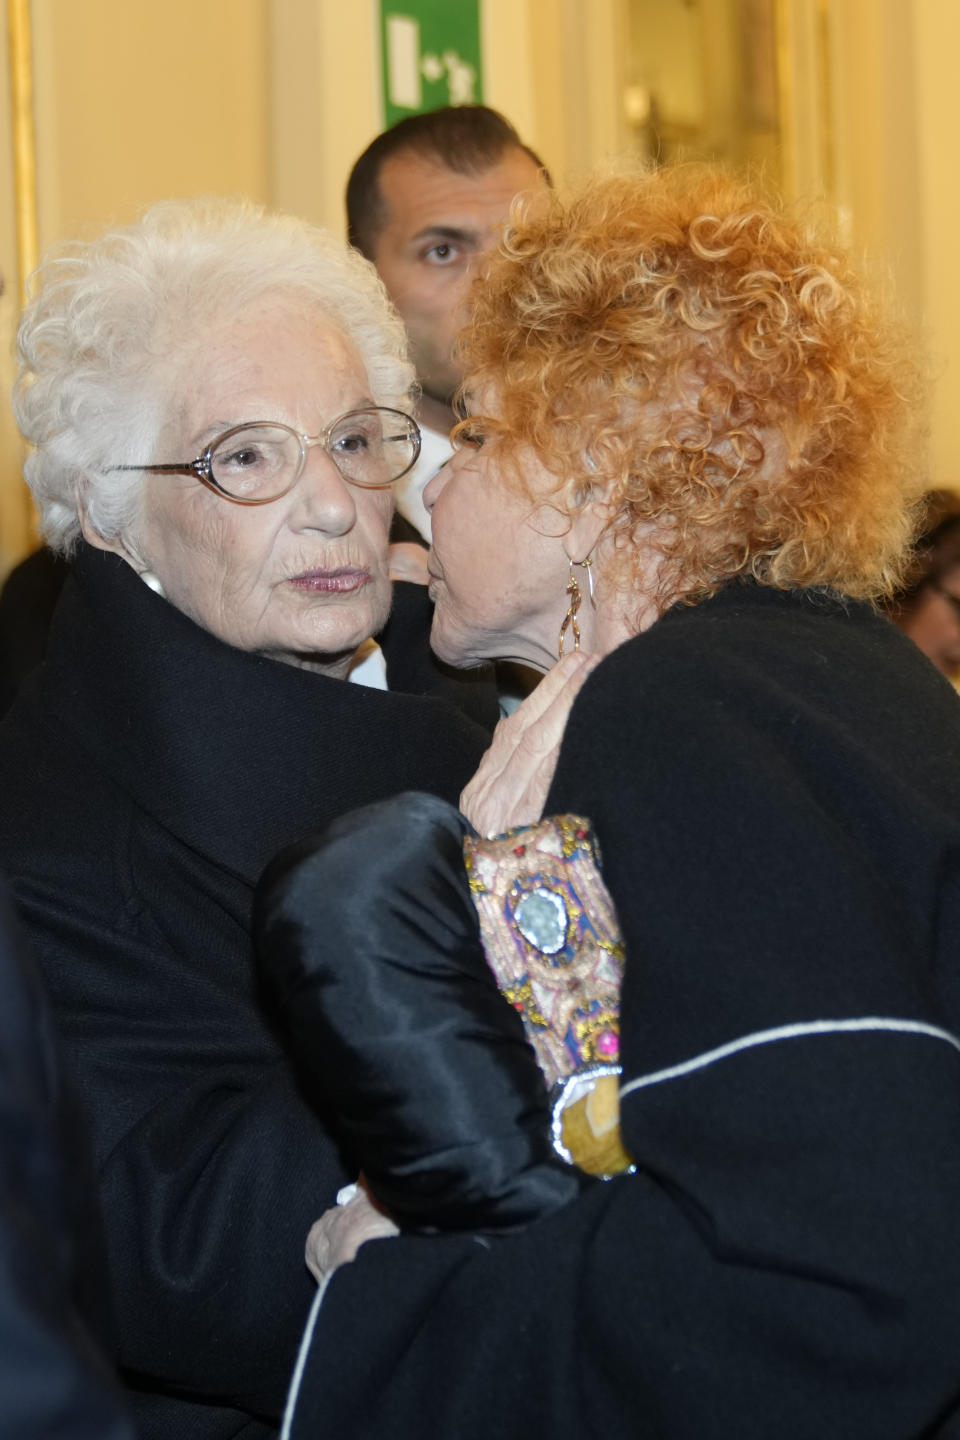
[(424, 200)]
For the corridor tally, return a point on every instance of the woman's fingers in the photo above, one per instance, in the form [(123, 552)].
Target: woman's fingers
[(511, 784), (572, 668), (336, 1237)]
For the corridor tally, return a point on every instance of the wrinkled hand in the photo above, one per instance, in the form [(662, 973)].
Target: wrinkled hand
[(408, 561), (336, 1237), (510, 787)]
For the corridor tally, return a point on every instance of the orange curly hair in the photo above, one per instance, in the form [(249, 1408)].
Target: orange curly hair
[(681, 344)]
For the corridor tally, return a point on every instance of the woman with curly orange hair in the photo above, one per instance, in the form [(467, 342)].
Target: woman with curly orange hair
[(687, 455)]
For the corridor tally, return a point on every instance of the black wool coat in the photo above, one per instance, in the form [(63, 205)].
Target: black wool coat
[(148, 772), (54, 1377), (774, 781), (27, 602)]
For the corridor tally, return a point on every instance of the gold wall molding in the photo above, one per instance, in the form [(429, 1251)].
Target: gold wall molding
[(17, 517), (23, 134)]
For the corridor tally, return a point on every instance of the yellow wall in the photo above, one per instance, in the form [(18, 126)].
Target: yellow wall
[(894, 86), (137, 101), (275, 98), (15, 532), (938, 186)]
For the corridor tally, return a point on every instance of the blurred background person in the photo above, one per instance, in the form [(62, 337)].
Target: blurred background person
[(214, 398), (927, 607)]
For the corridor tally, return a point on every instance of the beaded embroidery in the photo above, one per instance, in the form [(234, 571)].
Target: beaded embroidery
[(551, 938)]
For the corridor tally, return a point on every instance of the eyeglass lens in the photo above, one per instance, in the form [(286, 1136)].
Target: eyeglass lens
[(256, 462), (372, 447), (368, 447)]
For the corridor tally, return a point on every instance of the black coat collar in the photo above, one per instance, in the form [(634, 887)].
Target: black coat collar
[(234, 753)]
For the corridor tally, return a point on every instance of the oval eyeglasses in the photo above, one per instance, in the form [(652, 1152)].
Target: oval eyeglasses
[(262, 460)]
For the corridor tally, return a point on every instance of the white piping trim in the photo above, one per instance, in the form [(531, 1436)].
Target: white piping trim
[(673, 1072), (293, 1393), (788, 1032)]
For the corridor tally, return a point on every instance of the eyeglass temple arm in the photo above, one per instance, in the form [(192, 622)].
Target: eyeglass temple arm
[(200, 468)]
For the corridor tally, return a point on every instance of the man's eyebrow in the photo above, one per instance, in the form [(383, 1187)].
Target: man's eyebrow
[(445, 232)]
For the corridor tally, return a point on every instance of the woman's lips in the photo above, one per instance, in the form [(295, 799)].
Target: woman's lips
[(332, 582)]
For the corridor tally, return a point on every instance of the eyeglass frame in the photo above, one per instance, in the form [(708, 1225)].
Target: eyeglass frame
[(201, 469)]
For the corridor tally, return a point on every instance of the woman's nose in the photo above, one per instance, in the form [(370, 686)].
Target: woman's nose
[(322, 498), (434, 488)]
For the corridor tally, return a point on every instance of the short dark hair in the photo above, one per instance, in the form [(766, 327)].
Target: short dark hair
[(467, 139)]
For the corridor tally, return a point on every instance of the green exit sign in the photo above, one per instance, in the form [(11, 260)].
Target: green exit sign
[(431, 55)]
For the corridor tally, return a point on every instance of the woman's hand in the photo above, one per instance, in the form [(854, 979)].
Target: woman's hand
[(510, 787), (336, 1237)]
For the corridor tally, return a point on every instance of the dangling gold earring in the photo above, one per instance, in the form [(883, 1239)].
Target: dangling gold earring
[(573, 590)]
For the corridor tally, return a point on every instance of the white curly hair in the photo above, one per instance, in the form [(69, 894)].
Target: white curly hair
[(109, 318)]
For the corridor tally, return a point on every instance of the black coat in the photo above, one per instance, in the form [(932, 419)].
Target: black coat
[(774, 779), (54, 1380), (27, 602), (147, 773)]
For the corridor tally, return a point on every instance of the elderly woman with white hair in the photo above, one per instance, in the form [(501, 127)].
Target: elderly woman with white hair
[(216, 404)]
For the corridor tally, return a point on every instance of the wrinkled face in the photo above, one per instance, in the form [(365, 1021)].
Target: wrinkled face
[(303, 579), (437, 223), (933, 622), (498, 563)]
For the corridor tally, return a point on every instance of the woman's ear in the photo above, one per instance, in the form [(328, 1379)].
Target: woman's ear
[(118, 545), (587, 527), (89, 531)]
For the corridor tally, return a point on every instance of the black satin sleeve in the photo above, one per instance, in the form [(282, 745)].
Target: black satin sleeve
[(369, 949)]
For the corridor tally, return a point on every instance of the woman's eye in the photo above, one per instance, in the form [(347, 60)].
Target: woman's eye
[(352, 444), (473, 438), (243, 459)]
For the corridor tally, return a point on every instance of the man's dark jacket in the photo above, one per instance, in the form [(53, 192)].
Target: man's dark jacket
[(148, 772)]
